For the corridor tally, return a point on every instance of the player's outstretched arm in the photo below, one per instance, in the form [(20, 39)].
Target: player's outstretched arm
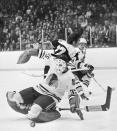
[(26, 55)]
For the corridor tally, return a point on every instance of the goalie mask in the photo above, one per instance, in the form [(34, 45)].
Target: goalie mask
[(60, 66)]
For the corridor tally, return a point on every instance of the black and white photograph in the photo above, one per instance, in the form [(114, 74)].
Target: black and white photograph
[(58, 65)]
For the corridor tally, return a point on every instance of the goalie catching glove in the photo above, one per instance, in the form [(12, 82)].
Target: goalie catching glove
[(84, 97)]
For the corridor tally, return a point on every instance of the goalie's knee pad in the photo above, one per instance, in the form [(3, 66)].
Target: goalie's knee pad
[(16, 102), (46, 116), (34, 111)]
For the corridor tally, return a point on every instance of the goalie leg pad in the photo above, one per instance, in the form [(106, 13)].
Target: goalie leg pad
[(46, 116), (18, 108)]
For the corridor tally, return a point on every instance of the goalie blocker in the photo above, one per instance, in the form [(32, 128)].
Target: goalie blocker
[(104, 107)]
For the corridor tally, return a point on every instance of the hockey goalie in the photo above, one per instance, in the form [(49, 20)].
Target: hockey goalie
[(39, 102)]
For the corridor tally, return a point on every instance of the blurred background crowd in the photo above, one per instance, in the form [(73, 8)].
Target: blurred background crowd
[(22, 22)]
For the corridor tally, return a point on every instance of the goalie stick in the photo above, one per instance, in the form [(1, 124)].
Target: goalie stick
[(104, 107), (99, 85), (35, 75)]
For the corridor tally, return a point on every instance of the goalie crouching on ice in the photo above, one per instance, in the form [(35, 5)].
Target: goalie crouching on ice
[(39, 102)]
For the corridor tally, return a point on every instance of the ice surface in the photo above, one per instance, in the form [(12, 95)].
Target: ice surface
[(94, 121)]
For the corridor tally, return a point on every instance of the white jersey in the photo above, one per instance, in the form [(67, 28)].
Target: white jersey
[(62, 48), (45, 55), (81, 54), (55, 84), (75, 54), (71, 49), (78, 58)]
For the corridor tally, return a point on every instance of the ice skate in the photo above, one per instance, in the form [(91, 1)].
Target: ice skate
[(80, 114)]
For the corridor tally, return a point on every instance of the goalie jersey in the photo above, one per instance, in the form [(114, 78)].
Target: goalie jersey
[(58, 80)]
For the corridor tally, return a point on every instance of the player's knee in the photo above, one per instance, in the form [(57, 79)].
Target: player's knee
[(77, 100), (34, 112)]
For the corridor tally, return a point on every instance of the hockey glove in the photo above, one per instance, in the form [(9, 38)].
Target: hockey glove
[(84, 97), (90, 69)]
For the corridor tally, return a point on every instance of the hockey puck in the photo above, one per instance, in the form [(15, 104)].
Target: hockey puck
[(90, 93), (32, 124), (113, 88)]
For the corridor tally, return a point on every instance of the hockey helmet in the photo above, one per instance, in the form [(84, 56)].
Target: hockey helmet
[(82, 44), (83, 40)]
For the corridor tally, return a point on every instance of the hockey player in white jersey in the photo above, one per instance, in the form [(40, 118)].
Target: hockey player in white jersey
[(39, 102), (63, 50), (82, 45), (84, 76)]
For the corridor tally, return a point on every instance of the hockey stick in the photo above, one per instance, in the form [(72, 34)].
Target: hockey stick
[(74, 69), (104, 107), (83, 69), (99, 84), (33, 75)]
